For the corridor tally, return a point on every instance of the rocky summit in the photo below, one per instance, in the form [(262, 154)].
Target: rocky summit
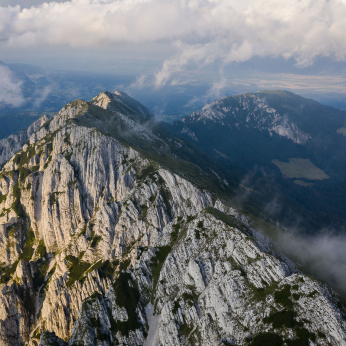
[(115, 232)]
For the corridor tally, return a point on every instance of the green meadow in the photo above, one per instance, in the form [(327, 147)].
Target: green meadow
[(300, 169)]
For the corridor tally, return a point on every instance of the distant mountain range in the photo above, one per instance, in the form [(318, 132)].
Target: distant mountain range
[(273, 125), (292, 147), (43, 92), (114, 231), (46, 92)]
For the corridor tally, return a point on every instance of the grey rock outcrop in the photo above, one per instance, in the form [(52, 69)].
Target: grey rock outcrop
[(14, 143), (102, 244), (247, 110)]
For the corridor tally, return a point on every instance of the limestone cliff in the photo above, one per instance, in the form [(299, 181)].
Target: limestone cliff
[(14, 143), (106, 238), (250, 111)]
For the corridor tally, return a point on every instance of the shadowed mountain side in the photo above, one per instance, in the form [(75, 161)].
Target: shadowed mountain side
[(255, 131)]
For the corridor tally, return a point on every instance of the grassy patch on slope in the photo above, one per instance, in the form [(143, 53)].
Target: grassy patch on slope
[(77, 268), (301, 169)]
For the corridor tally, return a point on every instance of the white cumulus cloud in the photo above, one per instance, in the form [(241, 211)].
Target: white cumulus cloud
[(10, 88), (202, 31)]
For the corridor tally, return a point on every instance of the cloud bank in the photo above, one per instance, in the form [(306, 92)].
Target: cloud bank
[(322, 256), (202, 31), (10, 88)]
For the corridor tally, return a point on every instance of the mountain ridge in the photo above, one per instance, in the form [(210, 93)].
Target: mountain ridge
[(268, 118), (97, 235), (12, 144), (261, 132)]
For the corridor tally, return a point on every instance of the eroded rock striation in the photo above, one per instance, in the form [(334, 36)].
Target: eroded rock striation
[(14, 143), (102, 242), (247, 111)]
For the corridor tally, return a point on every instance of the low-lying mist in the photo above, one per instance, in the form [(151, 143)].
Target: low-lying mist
[(317, 247), (322, 256)]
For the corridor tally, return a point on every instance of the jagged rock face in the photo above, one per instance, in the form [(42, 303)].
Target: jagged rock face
[(120, 101), (95, 236), (12, 144), (247, 110), (218, 285)]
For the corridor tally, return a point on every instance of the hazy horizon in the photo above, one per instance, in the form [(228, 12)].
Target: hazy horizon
[(223, 47)]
